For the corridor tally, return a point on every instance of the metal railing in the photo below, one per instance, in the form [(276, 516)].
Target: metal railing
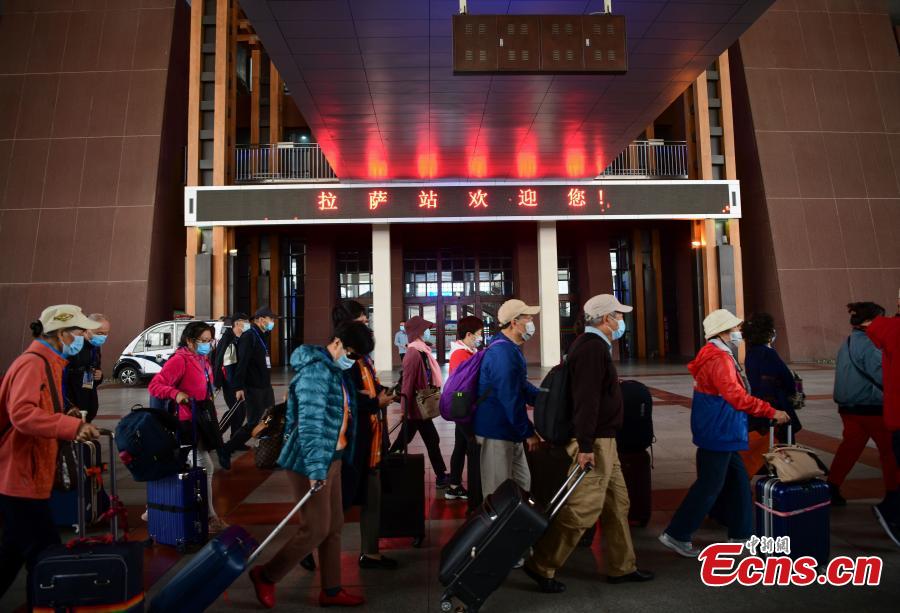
[(651, 159), (281, 162)]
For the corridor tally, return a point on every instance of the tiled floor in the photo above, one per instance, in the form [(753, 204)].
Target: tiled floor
[(258, 500)]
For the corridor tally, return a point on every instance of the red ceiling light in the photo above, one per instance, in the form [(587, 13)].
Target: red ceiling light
[(575, 164), (526, 164), (478, 167), (427, 165)]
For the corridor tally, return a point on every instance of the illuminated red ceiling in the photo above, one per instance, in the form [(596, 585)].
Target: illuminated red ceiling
[(373, 79)]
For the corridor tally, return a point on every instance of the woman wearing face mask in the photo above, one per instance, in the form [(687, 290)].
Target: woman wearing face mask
[(83, 374), (319, 434), (32, 420), (187, 376), (719, 411), (470, 331), (770, 380), (416, 376)]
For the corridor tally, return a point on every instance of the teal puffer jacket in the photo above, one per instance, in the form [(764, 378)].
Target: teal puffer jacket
[(315, 412)]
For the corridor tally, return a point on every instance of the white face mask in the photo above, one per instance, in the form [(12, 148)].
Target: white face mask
[(736, 337), (529, 331)]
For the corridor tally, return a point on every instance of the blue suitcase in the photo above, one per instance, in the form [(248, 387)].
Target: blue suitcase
[(800, 511), (177, 510), (215, 567)]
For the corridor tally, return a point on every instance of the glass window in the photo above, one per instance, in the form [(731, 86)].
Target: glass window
[(354, 270), (159, 338)]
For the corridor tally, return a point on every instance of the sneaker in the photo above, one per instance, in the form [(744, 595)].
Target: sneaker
[(309, 563), (341, 599), (836, 499), (456, 492), (216, 524), (442, 482), (682, 548), (145, 515), (892, 528), (265, 591), (381, 562)]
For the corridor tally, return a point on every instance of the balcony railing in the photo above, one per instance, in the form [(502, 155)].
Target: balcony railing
[(651, 159), (280, 163)]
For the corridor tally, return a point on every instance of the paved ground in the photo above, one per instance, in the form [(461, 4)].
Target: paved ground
[(257, 501)]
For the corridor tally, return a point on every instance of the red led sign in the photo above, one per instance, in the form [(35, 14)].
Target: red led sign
[(428, 200), (377, 197), (528, 197), (478, 200)]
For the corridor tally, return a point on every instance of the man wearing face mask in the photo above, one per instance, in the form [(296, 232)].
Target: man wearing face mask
[(501, 422), (252, 380), (719, 411), (400, 341), (225, 364), (596, 418), (83, 375)]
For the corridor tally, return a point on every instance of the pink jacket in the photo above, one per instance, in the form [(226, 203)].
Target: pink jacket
[(184, 372), (29, 426)]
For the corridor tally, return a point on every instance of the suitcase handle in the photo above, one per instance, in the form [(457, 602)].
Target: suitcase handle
[(560, 498), (113, 491), (313, 490), (772, 425)]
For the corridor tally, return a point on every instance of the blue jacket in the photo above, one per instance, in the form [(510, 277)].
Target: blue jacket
[(772, 380), (851, 387), (315, 413), (502, 415)]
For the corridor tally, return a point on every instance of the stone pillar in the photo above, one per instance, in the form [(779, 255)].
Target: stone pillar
[(548, 287), (382, 325)]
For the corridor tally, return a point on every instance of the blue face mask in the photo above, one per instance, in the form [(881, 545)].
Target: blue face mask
[(620, 332), (98, 339), (73, 349), (269, 326), (204, 348), (427, 336), (344, 363)]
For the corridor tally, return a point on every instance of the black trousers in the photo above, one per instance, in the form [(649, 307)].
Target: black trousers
[(256, 401), (424, 427), (28, 529), (465, 448)]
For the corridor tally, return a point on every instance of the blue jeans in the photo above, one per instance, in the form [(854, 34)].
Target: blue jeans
[(720, 476)]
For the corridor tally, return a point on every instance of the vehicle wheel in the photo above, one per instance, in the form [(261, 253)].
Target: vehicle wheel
[(128, 375), (446, 606)]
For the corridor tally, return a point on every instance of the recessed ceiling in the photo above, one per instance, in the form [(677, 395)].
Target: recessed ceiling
[(374, 80)]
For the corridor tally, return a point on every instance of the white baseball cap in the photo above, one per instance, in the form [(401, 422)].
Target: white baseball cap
[(66, 316), (511, 309), (604, 304)]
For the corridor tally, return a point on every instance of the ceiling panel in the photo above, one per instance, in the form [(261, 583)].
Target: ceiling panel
[(374, 80)]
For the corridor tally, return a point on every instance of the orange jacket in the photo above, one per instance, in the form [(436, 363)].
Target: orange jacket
[(29, 427)]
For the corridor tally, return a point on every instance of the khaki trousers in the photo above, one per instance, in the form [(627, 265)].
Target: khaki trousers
[(601, 494), (321, 520), (502, 460)]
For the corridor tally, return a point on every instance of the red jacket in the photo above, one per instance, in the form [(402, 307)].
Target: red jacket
[(29, 425), (185, 372), (885, 334)]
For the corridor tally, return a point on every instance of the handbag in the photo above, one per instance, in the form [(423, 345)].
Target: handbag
[(429, 397), (794, 463), (269, 433)]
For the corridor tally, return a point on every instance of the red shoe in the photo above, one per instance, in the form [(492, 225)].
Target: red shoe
[(343, 599), (265, 591)]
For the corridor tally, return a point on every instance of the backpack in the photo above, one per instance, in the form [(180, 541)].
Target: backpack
[(637, 424), (459, 397), (553, 406), (148, 444)]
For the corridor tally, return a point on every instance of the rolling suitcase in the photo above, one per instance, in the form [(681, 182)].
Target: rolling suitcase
[(636, 468), (402, 494), (91, 574), (549, 465), (215, 568), (486, 547), (796, 510), (177, 509), (64, 504)]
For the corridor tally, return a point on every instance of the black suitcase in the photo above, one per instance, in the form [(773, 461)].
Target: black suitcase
[(636, 433), (402, 494), (549, 465), (64, 504), (486, 547), (89, 574), (636, 468)]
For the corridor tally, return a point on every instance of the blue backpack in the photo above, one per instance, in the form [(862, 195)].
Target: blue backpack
[(459, 396), (148, 444)]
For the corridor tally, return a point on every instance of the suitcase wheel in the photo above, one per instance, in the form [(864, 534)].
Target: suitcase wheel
[(446, 606)]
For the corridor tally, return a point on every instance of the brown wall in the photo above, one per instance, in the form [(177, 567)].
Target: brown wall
[(817, 122), (84, 153)]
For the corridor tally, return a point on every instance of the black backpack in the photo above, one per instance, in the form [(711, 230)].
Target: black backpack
[(553, 406), (637, 426)]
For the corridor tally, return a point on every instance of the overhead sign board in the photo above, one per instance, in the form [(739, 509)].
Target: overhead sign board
[(459, 201)]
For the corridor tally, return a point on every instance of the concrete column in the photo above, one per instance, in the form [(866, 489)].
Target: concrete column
[(548, 288), (381, 295)]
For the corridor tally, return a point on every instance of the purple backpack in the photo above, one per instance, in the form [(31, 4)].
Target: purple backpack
[(459, 396)]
